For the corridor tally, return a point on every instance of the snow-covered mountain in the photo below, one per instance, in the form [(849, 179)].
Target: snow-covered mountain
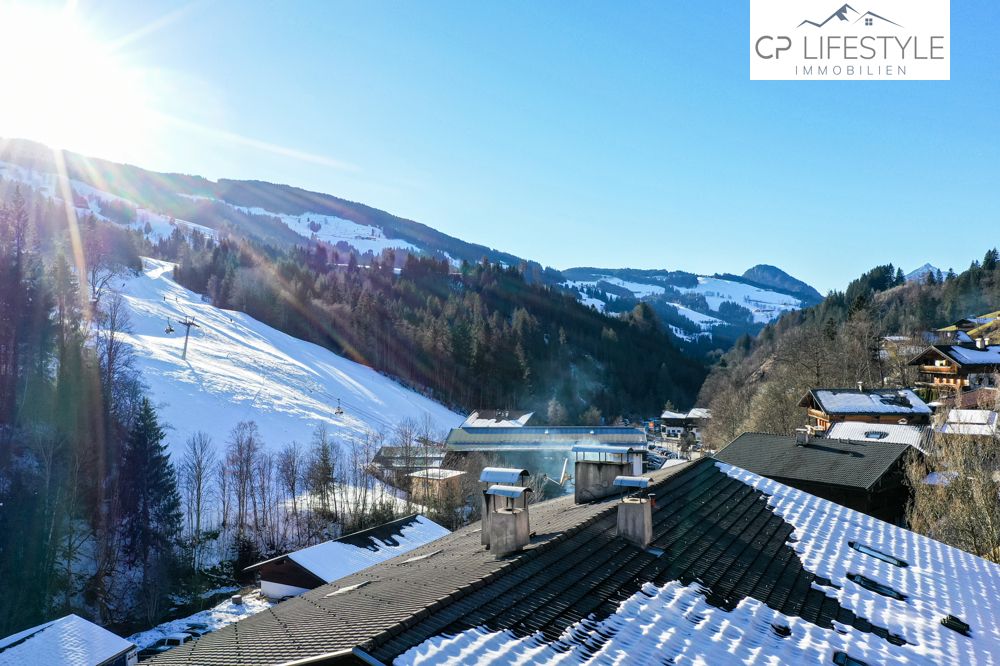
[(920, 274), (695, 306), (238, 369)]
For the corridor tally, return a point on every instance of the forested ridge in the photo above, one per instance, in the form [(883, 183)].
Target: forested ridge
[(481, 335)]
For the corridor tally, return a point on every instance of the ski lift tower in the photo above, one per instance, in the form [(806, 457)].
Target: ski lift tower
[(187, 324)]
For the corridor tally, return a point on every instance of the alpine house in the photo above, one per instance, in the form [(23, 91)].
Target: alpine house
[(723, 566)]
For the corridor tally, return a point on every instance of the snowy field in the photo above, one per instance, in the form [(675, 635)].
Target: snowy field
[(334, 229), (239, 369)]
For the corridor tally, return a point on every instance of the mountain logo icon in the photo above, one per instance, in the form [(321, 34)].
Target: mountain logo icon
[(848, 14)]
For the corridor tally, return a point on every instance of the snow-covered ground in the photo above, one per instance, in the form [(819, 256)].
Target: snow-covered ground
[(239, 369), (215, 618), (334, 229), (765, 305), (703, 320)]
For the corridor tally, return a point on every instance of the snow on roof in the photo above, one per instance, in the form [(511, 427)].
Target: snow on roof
[(878, 432), (676, 623), (969, 356), (497, 419), (880, 401), (695, 413), (70, 640), (436, 473), (971, 422), (335, 559)]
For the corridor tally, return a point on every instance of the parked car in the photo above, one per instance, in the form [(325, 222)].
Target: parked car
[(164, 644), (197, 629)]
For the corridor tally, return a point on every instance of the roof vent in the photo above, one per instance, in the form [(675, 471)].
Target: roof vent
[(956, 624), (782, 630), (635, 511), (861, 548), (802, 436), (876, 587), (844, 659), (508, 510)]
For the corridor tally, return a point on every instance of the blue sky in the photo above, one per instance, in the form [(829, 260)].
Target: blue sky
[(583, 133)]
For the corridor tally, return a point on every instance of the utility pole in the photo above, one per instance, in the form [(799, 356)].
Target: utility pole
[(187, 324)]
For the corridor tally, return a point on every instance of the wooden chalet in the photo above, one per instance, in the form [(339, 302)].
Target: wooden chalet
[(828, 406), (957, 368)]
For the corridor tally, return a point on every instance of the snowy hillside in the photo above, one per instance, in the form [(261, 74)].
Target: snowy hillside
[(695, 301), (239, 369), (332, 229), (89, 199)]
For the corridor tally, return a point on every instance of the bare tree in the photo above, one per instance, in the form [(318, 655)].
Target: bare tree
[(241, 453), (291, 469), (197, 465)]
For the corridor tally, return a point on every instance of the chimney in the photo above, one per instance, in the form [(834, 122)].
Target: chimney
[(980, 343), (861, 386), (635, 512), (508, 524), (597, 467), (504, 476), (802, 436)]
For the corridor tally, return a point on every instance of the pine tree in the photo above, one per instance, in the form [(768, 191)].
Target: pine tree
[(152, 505)]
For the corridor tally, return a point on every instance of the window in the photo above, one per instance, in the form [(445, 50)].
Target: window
[(876, 587), (868, 21), (861, 548), (876, 434)]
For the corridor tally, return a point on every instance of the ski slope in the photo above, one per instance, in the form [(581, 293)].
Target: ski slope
[(239, 369)]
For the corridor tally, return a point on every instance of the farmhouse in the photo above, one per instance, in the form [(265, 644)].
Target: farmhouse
[(300, 571), (738, 568)]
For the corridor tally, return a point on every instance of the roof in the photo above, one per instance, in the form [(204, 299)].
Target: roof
[(439, 474), (735, 559), (70, 640), (878, 432), (964, 356), (970, 422), (332, 560), (903, 402), (541, 437), (852, 464), (693, 414), (498, 418)]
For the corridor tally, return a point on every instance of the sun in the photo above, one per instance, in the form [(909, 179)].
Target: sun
[(62, 85)]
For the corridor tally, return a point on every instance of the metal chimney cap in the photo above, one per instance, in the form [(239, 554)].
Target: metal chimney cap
[(503, 475), (632, 481), (513, 492)]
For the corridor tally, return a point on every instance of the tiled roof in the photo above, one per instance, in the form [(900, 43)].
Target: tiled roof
[(711, 531), (852, 464)]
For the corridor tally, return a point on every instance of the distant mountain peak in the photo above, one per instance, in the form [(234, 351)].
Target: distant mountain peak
[(920, 274)]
